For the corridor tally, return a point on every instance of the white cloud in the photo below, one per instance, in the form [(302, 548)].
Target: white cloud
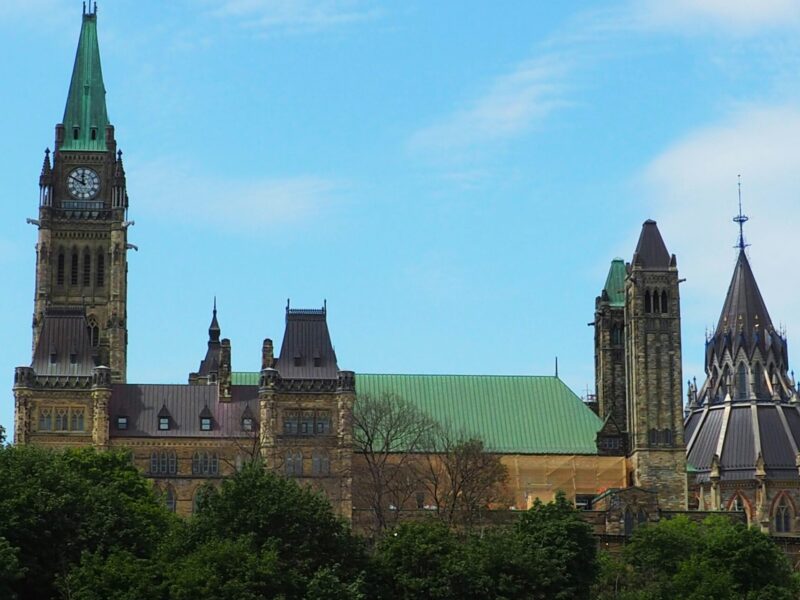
[(235, 204), (692, 187), (513, 103), (296, 16), (740, 16)]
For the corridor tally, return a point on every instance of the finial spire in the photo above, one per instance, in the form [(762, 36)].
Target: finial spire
[(740, 219)]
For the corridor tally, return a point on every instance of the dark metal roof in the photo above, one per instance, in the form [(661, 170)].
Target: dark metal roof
[(210, 364), (651, 252), (705, 445), (307, 351), (744, 309), (738, 450), (142, 404), (750, 430), (64, 346)]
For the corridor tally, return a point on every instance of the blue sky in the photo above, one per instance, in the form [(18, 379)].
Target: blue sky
[(453, 177)]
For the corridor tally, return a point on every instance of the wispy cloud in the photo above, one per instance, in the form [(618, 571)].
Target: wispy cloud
[(235, 204), (511, 106), (692, 187), (297, 16), (738, 16)]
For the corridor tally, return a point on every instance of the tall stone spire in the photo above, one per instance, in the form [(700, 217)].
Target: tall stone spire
[(85, 115), (214, 330)]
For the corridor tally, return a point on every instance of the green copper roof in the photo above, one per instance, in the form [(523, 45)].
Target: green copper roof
[(86, 102), (615, 282), (512, 414)]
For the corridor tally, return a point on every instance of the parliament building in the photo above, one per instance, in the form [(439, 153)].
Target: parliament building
[(639, 453)]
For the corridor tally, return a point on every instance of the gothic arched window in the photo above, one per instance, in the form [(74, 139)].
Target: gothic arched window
[(664, 304), (320, 463), (653, 437), (94, 331), (60, 268), (758, 380), (741, 382), (783, 516), (641, 517), (656, 302), (101, 269), (45, 419), (169, 498), (628, 521), (648, 302), (73, 271), (87, 268)]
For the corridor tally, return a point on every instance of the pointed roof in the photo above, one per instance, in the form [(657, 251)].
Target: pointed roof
[(86, 101), (651, 252), (615, 283), (744, 309), (214, 330), (307, 351), (64, 346)]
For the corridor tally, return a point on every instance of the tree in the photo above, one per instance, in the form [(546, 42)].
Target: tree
[(57, 506), (10, 569), (679, 558), (426, 561), (462, 478), (2, 435), (550, 553), (389, 434), (282, 535)]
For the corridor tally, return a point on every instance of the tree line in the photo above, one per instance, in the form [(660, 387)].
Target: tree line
[(86, 525)]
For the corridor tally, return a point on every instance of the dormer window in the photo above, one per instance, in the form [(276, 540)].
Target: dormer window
[(317, 360), (122, 423), (163, 423), (73, 358), (205, 419), (53, 357), (75, 132), (247, 424), (298, 360), (94, 133)]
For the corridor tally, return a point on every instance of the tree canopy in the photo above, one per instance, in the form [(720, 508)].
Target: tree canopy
[(679, 558)]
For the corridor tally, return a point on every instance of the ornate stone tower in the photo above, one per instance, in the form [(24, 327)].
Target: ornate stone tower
[(82, 246), (80, 301), (306, 407), (609, 356), (653, 371)]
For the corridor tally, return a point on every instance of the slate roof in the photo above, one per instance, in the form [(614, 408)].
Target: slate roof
[(512, 414), (142, 403), (615, 283), (738, 433), (64, 334), (307, 351), (651, 252), (86, 101), (744, 309)]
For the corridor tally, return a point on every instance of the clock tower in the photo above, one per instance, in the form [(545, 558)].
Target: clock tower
[(81, 254)]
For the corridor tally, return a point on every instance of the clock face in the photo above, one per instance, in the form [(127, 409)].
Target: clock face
[(83, 183)]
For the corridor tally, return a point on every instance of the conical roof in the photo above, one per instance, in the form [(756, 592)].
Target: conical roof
[(85, 116), (744, 310), (214, 329), (615, 283), (651, 251)]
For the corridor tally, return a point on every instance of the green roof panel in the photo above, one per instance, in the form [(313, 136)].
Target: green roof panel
[(85, 115), (615, 283), (512, 414)]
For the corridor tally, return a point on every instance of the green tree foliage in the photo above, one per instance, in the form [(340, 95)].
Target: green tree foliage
[(10, 569), (549, 554), (2, 435), (57, 506), (679, 558), (276, 515)]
